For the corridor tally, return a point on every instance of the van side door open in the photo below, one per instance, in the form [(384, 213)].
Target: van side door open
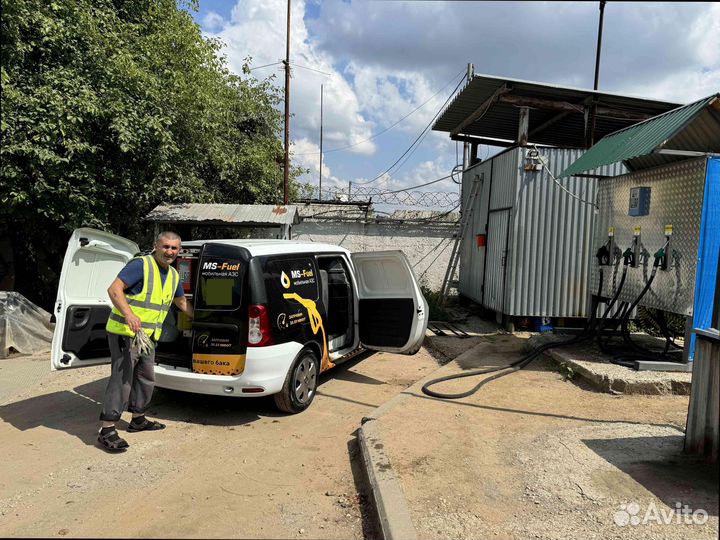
[(92, 261), (392, 312)]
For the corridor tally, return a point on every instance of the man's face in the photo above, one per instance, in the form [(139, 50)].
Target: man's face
[(166, 250)]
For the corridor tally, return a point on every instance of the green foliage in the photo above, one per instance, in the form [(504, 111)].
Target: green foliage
[(437, 312), (110, 107), (566, 371)]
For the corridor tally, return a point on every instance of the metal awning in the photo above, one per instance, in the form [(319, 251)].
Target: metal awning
[(251, 215), (691, 130), (488, 109)]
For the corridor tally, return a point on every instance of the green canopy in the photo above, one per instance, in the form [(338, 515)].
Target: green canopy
[(689, 130)]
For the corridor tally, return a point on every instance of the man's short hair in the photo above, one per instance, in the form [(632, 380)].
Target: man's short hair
[(169, 235)]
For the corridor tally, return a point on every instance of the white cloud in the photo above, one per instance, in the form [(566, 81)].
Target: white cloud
[(554, 42), (386, 58), (257, 28), (213, 22)]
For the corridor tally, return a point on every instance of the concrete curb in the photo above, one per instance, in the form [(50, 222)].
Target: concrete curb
[(390, 503), (619, 385)]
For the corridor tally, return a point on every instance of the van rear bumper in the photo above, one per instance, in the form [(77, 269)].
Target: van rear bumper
[(265, 367)]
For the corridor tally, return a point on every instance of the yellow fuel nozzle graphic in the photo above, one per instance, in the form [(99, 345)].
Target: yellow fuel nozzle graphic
[(315, 323), (284, 280)]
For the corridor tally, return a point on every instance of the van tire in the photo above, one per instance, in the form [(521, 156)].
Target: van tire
[(300, 384)]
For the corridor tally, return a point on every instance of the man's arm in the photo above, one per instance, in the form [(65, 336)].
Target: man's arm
[(184, 305), (116, 291)]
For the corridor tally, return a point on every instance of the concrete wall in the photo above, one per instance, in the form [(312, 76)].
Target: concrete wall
[(427, 245)]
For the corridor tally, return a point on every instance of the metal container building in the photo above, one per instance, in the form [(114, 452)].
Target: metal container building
[(527, 251), (529, 247)]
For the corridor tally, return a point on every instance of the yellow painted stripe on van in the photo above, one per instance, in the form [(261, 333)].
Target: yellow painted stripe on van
[(218, 364)]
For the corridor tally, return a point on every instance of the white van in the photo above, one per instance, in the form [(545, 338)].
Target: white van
[(270, 315)]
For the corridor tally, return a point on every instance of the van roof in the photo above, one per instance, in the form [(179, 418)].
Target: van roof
[(271, 247)]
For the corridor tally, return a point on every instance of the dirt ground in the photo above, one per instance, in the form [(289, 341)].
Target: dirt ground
[(224, 467), (532, 455)]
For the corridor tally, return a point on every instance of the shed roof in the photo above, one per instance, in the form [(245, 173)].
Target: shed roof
[(488, 107), (224, 214), (693, 129)]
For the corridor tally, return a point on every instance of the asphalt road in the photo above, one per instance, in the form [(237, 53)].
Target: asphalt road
[(224, 467)]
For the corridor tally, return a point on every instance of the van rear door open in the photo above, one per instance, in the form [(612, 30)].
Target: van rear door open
[(220, 327), (392, 310), (92, 261)]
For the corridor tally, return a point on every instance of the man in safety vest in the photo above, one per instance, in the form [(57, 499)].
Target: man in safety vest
[(141, 295)]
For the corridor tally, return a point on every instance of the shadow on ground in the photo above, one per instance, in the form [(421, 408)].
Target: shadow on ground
[(659, 465), (76, 412)]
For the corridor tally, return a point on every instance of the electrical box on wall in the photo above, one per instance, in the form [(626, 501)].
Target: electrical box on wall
[(639, 201)]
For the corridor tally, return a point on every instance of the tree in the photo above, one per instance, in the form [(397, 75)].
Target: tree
[(110, 107)]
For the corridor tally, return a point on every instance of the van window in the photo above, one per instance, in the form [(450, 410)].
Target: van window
[(294, 276), (220, 283)]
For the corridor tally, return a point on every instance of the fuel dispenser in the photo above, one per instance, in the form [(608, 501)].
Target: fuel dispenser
[(666, 222)]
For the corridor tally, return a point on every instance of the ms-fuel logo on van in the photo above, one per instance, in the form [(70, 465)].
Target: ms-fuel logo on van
[(302, 276), (220, 268)]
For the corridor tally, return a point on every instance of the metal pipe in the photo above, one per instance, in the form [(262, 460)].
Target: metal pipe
[(599, 46)]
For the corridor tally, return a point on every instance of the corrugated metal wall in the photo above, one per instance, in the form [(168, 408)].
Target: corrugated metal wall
[(472, 258), (544, 268)]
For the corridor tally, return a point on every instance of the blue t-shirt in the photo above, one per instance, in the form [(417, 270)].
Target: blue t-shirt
[(132, 276)]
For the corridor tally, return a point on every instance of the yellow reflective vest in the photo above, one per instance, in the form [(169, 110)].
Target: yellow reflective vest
[(151, 304)]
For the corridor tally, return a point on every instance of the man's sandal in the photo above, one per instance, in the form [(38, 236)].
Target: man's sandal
[(145, 425), (112, 442)]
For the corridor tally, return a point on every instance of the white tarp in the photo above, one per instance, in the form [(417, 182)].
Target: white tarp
[(24, 327)]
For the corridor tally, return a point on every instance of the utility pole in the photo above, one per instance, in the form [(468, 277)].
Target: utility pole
[(286, 172), (321, 137)]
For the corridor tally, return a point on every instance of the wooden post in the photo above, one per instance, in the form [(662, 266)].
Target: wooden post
[(523, 126)]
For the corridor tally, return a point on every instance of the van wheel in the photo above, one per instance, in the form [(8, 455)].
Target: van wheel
[(300, 384)]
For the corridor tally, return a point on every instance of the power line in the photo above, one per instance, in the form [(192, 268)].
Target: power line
[(422, 134), (266, 65), (389, 127), (311, 69)]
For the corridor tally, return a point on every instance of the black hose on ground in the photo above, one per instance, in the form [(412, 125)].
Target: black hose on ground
[(640, 353), (587, 333)]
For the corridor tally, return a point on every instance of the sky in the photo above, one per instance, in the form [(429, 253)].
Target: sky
[(379, 61)]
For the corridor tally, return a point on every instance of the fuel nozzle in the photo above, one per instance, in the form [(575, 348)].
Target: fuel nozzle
[(659, 256), (628, 256), (603, 256)]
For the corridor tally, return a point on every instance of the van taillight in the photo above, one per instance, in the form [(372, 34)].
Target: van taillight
[(259, 330)]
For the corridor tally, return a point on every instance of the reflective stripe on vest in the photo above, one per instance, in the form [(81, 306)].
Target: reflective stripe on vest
[(151, 304)]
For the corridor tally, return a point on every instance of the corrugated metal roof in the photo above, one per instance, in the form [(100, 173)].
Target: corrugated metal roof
[(208, 214), (549, 127), (692, 128)]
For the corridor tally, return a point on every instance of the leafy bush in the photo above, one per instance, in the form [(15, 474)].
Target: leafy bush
[(437, 312)]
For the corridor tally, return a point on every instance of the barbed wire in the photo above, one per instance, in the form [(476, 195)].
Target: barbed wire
[(361, 194)]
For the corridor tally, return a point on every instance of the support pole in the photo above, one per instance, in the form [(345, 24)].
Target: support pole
[(321, 141), (466, 145), (286, 171), (523, 126), (593, 114)]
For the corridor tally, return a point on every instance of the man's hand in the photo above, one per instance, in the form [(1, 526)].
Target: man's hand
[(117, 297), (185, 306), (134, 322)]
